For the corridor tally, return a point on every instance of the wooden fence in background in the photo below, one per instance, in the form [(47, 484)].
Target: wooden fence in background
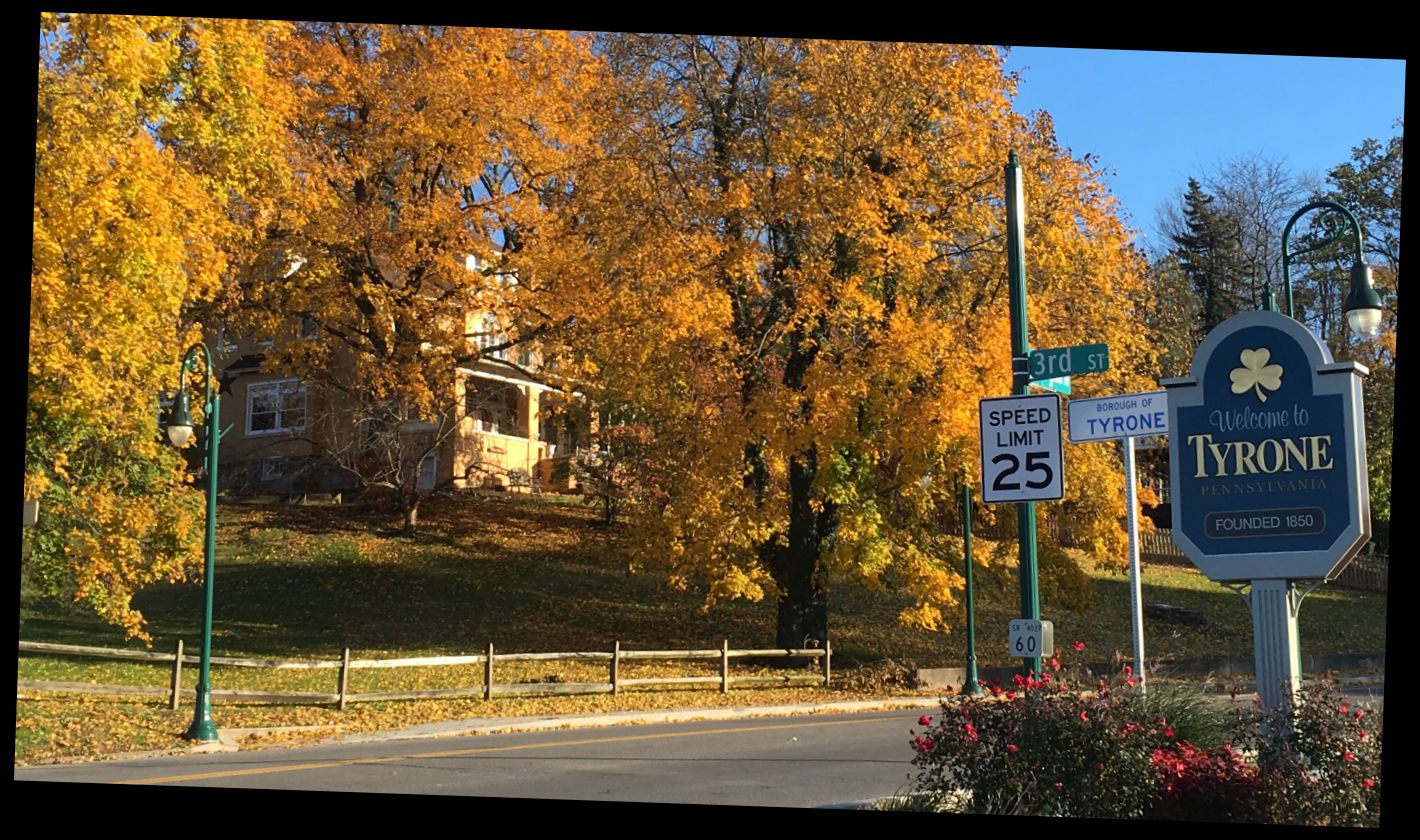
[(487, 690), (1369, 572)]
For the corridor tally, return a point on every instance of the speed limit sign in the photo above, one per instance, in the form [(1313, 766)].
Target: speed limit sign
[(1020, 449), (1032, 639)]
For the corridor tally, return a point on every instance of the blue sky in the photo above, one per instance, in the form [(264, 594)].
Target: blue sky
[(1156, 118)]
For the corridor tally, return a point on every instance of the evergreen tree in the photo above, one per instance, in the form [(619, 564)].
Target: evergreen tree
[(1208, 247)]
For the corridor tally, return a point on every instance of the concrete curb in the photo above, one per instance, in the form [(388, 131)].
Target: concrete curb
[(1222, 668), (484, 726)]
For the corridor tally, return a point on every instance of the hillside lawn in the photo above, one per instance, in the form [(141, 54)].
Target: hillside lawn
[(531, 574)]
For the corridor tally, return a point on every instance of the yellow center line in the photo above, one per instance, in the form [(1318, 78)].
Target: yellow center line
[(250, 771)]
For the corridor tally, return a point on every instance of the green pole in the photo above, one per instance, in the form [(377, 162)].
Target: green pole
[(1020, 375), (973, 684), (203, 729)]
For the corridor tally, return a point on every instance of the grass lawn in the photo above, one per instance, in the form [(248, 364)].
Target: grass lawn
[(527, 574)]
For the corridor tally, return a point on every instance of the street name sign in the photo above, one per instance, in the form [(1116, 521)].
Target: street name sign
[(1030, 639), (1110, 418), (1068, 361), (1020, 449), (1267, 454)]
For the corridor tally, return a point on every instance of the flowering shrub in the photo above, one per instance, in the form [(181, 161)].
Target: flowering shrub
[(1319, 758), (1038, 748), (1206, 785)]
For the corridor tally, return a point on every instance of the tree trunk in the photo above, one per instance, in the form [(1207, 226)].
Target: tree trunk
[(803, 602), (411, 513)]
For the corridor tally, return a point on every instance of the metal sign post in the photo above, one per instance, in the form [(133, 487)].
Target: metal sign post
[(1115, 418)]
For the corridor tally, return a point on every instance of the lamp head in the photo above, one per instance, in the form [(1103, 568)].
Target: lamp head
[(1363, 303), (180, 422)]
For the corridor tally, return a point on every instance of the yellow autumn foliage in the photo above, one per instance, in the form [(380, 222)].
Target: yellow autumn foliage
[(157, 141), (802, 246)]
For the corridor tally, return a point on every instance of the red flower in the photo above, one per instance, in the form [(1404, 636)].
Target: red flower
[(1368, 783), (997, 681), (1058, 786), (1055, 663), (1363, 734), (1079, 646), (1083, 716), (1344, 708), (1011, 695), (995, 691), (1358, 716), (924, 721), (1019, 680), (1012, 748), (1168, 731), (1348, 756), (1128, 669)]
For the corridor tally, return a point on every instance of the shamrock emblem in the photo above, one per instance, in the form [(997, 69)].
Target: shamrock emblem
[(1256, 374)]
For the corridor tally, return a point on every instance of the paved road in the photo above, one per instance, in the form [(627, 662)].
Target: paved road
[(804, 761)]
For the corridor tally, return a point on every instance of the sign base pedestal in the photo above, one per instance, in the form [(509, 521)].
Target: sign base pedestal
[(1275, 642)]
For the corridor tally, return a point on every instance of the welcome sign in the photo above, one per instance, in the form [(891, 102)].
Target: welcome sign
[(1267, 454)]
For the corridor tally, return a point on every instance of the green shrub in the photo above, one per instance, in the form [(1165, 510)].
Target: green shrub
[(1320, 758)]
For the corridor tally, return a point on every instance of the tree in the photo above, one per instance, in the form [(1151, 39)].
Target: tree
[(801, 253), (1208, 248), (158, 145), (433, 164), (1370, 187)]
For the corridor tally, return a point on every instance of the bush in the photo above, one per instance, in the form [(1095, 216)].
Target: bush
[(1206, 785), (1320, 758), (1040, 749)]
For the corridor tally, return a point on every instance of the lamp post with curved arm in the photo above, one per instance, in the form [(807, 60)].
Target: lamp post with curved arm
[(1363, 303), (180, 430)]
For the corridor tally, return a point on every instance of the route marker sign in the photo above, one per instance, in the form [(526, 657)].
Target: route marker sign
[(1109, 418), (1068, 361), (1021, 449), (1030, 639)]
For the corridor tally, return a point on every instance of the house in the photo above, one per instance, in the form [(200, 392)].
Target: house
[(508, 426)]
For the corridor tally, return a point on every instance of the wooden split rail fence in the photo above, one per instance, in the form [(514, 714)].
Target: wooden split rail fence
[(614, 685), (1367, 572)]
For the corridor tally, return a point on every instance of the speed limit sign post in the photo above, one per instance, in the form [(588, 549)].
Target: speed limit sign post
[(1030, 639), (1021, 449)]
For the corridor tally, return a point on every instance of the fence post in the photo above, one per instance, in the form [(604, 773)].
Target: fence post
[(488, 674), (615, 660), (725, 667), (344, 678), (177, 676), (827, 656)]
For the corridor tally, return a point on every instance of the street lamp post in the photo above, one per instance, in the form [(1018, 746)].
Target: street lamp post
[(1363, 303), (180, 430)]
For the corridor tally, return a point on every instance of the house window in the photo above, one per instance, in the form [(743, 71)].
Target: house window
[(491, 336), (273, 468), (225, 342), (495, 407), (276, 407)]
